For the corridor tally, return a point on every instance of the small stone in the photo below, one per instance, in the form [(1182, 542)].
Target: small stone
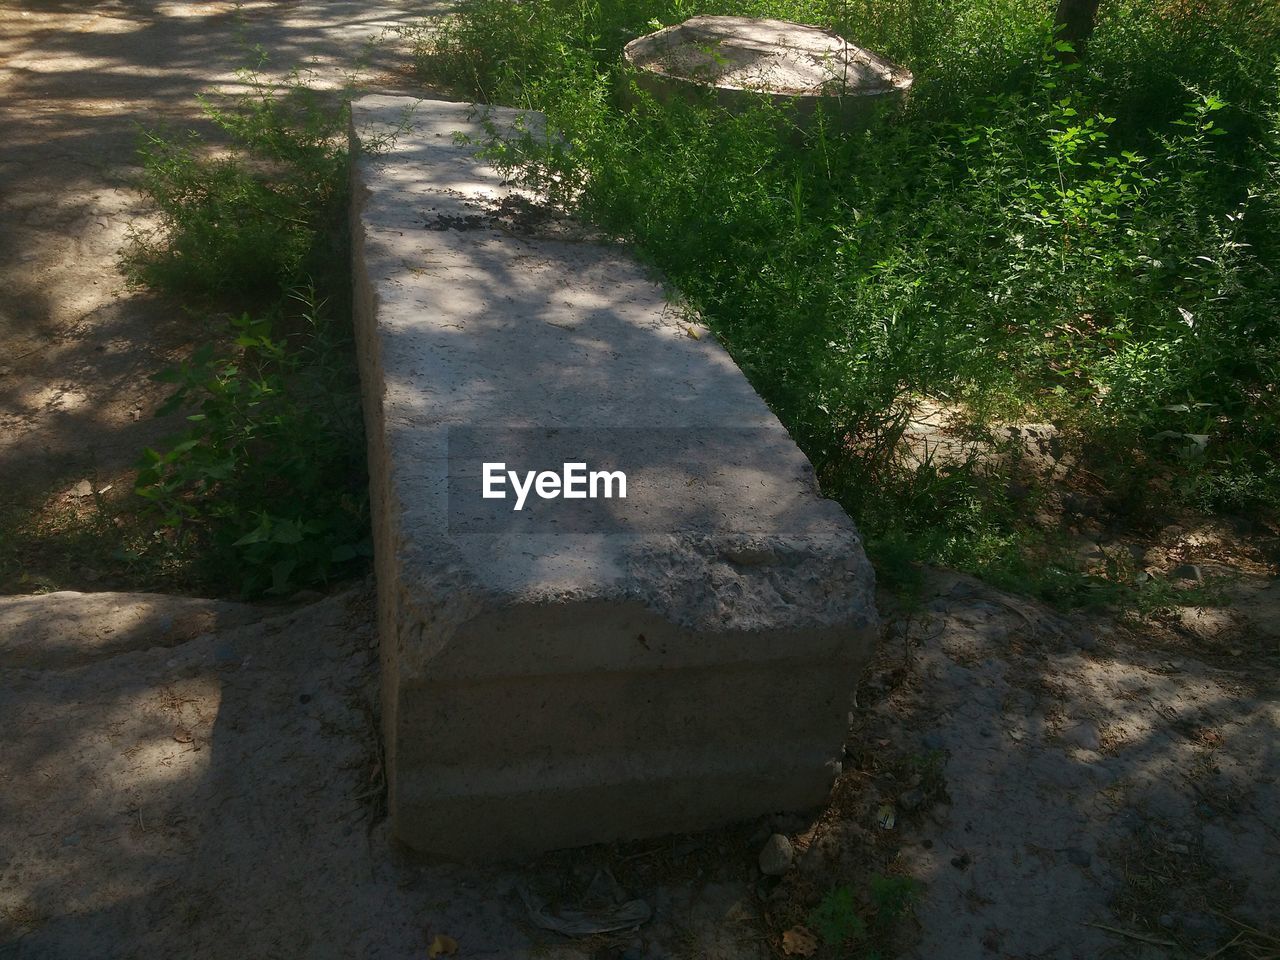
[(777, 856), (1081, 858), (82, 489)]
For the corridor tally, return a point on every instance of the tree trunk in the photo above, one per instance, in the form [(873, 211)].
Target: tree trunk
[(1074, 21)]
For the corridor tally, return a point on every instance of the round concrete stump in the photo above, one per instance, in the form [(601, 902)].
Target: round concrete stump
[(740, 59)]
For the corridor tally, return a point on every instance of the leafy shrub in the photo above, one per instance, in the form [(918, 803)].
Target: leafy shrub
[(1089, 243), (265, 479), (266, 486), (838, 918), (835, 920), (248, 223)]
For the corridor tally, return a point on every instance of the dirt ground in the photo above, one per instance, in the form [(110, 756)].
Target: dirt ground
[(198, 779), (194, 778)]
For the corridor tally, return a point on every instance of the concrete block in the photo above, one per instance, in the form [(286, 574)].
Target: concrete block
[(581, 670), (738, 61)]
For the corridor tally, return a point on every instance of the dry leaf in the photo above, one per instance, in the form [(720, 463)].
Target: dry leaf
[(799, 941), (182, 735), (442, 946)]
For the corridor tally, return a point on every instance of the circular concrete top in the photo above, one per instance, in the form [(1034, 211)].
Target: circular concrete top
[(768, 56)]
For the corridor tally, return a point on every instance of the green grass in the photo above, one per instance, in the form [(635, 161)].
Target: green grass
[(264, 489), (863, 927), (1092, 245)]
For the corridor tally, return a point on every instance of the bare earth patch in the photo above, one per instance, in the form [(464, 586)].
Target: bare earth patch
[(1057, 789)]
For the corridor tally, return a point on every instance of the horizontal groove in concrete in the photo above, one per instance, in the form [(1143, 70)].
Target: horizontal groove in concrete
[(619, 769)]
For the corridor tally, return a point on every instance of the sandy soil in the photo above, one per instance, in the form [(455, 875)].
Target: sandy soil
[(220, 796)]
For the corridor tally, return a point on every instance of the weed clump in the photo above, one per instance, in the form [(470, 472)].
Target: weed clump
[(265, 487)]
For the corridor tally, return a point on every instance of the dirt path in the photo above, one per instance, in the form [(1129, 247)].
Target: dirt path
[(202, 780), (77, 81)]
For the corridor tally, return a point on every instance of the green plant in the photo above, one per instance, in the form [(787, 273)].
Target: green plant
[(264, 481), (1086, 243), (891, 898), (244, 225), (836, 919), (265, 488), (839, 920)]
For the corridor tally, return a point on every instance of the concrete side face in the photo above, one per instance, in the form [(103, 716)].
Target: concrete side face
[(686, 665)]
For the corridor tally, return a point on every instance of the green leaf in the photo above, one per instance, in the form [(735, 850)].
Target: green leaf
[(280, 574)]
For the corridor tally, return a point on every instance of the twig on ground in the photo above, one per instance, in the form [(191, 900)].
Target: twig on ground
[(1224, 948), (1132, 935)]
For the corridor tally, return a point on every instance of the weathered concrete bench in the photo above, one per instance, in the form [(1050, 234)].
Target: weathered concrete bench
[(591, 669)]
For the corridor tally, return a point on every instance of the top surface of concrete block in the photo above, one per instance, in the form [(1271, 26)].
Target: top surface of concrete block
[(489, 321), (491, 316)]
